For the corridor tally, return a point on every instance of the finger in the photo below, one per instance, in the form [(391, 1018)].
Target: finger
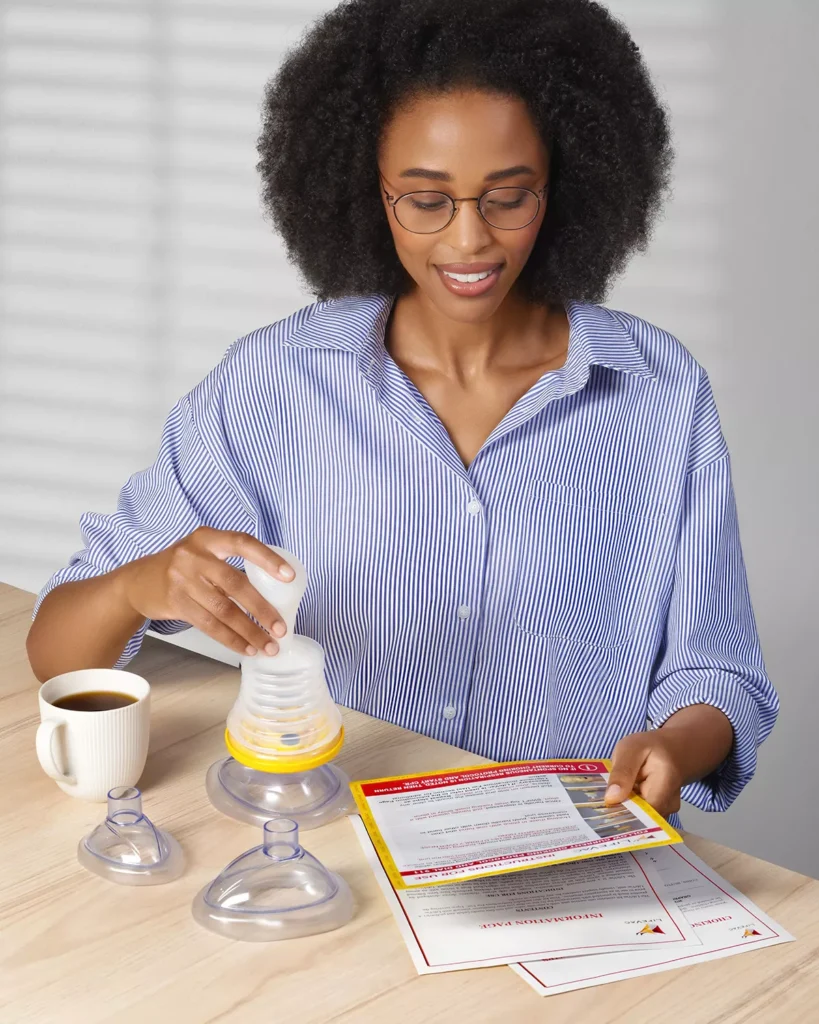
[(203, 620), (225, 543), (222, 610), (627, 760), (238, 587)]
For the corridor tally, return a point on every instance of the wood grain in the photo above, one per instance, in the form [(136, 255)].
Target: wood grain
[(75, 948)]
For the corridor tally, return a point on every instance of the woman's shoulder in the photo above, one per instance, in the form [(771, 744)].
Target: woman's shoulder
[(337, 323), (266, 360), (263, 343), (667, 358), (250, 365)]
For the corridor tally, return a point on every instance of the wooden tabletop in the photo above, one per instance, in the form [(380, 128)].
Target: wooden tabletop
[(75, 948)]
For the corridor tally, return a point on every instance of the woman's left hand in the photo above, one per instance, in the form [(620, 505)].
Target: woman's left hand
[(647, 763), (691, 744)]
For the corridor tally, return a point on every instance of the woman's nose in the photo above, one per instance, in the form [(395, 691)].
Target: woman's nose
[(468, 228)]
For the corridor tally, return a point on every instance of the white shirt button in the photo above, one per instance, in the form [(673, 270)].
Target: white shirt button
[(463, 612), (474, 507), (449, 711)]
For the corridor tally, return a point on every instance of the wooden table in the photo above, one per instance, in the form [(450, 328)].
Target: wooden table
[(74, 948)]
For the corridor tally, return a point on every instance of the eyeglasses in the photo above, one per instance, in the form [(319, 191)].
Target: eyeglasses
[(507, 208)]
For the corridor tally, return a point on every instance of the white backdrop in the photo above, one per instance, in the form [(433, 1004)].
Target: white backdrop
[(133, 252)]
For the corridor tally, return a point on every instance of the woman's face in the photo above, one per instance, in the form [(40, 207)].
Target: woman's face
[(463, 139)]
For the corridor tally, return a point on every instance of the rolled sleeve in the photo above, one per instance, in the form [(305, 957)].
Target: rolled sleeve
[(81, 567), (727, 693), (189, 485), (711, 653)]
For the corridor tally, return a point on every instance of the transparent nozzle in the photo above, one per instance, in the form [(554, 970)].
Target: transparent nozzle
[(127, 847), (124, 804), (274, 891), (280, 838)]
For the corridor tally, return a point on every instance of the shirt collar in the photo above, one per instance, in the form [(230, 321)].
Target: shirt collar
[(351, 323), (598, 336), (602, 337)]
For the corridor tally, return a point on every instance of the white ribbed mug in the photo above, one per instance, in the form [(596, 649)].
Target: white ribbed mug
[(89, 752)]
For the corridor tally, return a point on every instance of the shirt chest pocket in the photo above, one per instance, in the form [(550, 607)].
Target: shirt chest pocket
[(584, 563)]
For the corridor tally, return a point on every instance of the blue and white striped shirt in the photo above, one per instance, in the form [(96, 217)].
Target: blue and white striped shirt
[(580, 581)]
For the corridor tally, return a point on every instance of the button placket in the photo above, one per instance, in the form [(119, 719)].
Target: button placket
[(453, 710)]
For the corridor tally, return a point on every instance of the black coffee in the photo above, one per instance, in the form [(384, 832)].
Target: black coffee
[(94, 700)]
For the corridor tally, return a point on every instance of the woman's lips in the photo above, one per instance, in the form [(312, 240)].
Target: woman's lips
[(470, 288)]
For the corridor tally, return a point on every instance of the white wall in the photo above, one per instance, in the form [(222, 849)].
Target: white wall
[(133, 251), (732, 273)]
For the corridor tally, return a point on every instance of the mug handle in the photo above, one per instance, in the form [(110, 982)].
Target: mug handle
[(45, 755)]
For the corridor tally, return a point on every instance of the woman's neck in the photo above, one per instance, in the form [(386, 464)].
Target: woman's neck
[(517, 336)]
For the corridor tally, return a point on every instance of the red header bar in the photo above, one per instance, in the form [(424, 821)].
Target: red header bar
[(417, 783)]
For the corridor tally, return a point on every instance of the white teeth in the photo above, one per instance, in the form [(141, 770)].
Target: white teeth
[(468, 278)]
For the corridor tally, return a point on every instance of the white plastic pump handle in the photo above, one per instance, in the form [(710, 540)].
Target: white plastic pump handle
[(284, 595)]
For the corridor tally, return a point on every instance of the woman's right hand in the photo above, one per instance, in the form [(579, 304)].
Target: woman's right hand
[(191, 581)]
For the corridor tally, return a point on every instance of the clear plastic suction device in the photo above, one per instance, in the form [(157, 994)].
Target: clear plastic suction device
[(127, 847), (284, 728), (312, 798), (275, 891), (284, 718)]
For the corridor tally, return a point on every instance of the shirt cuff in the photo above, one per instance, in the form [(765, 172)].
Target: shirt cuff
[(717, 791)]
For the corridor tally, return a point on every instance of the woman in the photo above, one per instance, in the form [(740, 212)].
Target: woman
[(515, 505)]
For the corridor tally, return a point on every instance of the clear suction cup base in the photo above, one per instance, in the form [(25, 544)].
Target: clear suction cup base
[(127, 847), (171, 867), (274, 891), (249, 927), (311, 798)]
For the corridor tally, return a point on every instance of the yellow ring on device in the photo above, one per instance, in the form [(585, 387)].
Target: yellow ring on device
[(288, 764)]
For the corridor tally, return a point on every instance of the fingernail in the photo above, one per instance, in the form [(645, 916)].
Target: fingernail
[(286, 572), (250, 650), (279, 629), (271, 649), (614, 793)]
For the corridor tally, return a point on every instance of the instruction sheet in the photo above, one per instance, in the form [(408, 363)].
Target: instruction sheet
[(724, 921), (599, 905), (494, 819)]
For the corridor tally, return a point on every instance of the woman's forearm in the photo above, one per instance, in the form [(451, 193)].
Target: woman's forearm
[(82, 624), (701, 737)]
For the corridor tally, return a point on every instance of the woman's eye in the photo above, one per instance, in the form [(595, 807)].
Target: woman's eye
[(434, 205), (511, 204)]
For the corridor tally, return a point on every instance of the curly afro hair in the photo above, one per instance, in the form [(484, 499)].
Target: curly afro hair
[(577, 69)]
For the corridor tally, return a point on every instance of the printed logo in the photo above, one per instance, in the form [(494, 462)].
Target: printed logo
[(649, 929), (587, 768), (749, 932)]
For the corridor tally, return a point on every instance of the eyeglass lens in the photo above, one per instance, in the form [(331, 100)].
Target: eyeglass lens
[(505, 207)]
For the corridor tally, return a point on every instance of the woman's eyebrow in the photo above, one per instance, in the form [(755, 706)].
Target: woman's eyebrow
[(425, 172)]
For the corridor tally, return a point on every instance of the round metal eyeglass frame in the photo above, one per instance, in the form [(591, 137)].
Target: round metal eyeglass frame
[(392, 200)]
